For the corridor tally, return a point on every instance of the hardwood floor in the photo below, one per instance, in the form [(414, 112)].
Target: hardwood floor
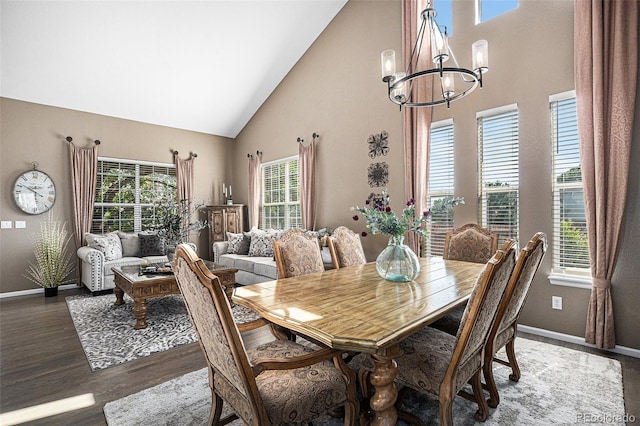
[(41, 360)]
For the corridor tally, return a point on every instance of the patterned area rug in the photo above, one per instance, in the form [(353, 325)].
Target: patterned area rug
[(106, 330), (558, 386)]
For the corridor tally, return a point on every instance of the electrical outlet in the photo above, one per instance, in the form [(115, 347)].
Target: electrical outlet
[(556, 302), (21, 224), (5, 224)]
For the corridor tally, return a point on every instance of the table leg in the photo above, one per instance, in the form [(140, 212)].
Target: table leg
[(140, 312), (385, 392), (119, 296)]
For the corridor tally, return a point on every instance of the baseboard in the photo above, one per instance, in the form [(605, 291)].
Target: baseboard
[(622, 350), (34, 291)]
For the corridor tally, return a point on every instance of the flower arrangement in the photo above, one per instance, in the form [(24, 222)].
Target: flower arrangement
[(382, 220), (53, 262)]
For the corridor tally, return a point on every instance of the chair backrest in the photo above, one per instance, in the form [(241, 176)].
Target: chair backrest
[(471, 243), (230, 372), (518, 288), (482, 307), (297, 253), (346, 248)]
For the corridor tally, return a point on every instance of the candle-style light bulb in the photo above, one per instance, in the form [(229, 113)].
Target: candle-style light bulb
[(388, 62), (480, 56)]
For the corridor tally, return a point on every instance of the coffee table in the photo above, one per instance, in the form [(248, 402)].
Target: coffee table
[(127, 279)]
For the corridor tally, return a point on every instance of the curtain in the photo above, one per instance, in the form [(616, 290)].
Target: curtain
[(606, 66), (417, 121), (84, 173), (254, 191), (307, 174), (185, 176)]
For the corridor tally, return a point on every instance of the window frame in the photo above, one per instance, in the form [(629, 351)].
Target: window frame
[(482, 191), (289, 222), (569, 277), (137, 205)]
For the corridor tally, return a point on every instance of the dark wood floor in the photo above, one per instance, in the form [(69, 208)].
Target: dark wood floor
[(41, 360)]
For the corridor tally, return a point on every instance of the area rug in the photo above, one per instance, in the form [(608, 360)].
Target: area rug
[(558, 386), (106, 330)]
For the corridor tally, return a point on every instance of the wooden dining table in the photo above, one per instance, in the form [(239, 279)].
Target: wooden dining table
[(354, 309)]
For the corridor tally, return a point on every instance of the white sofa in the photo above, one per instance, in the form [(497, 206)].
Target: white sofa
[(254, 269), (97, 260)]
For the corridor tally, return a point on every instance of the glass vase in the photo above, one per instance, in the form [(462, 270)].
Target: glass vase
[(397, 262)]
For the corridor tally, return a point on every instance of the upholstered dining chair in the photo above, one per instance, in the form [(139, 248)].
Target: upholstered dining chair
[(505, 328), (436, 363), (279, 382), (346, 248), (471, 243), (297, 253)]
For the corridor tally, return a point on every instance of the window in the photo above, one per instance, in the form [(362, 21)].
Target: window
[(499, 174), (280, 195), (570, 247), (487, 9), (440, 185), (444, 18), (127, 192)]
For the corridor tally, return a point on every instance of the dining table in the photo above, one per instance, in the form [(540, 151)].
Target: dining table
[(354, 309)]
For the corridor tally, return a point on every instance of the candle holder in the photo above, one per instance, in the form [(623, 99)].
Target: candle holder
[(229, 201)]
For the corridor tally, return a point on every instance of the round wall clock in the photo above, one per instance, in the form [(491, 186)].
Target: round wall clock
[(34, 191)]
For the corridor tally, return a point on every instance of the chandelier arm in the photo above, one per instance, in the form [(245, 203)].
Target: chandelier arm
[(415, 54)]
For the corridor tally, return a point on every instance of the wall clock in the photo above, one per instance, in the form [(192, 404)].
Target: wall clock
[(34, 191)]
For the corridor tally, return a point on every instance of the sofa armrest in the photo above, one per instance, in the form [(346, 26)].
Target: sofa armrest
[(219, 247), (92, 268)]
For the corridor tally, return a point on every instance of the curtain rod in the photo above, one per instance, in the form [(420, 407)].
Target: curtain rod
[(69, 139)]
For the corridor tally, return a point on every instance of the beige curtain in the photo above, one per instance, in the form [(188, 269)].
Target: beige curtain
[(185, 177), (254, 191), (307, 175), (606, 66), (84, 171), (417, 121)]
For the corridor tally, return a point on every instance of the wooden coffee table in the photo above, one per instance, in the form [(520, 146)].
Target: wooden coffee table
[(127, 279)]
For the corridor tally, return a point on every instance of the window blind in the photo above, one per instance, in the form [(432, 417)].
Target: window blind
[(499, 172), (570, 245), (441, 181)]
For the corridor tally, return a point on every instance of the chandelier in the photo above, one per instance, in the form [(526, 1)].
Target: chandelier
[(455, 82)]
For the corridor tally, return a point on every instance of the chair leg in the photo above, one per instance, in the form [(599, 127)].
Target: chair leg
[(494, 397), (216, 409), (445, 410), (483, 410), (511, 355)]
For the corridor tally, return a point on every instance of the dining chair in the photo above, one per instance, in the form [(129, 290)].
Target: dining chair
[(297, 253), (436, 363), (345, 248), (279, 382), (471, 243), (504, 330)]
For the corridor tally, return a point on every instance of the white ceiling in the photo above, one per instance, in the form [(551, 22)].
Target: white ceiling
[(205, 66)]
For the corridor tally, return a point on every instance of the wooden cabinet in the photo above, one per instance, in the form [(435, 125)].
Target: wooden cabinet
[(223, 219)]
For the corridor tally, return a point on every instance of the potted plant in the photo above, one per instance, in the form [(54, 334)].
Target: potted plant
[(173, 223), (53, 263)]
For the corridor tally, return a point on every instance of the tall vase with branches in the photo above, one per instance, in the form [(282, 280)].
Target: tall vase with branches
[(53, 263)]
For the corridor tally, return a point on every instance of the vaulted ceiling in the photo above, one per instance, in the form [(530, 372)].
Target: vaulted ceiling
[(205, 66)]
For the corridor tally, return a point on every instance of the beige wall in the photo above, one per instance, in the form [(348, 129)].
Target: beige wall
[(336, 90), (32, 132)]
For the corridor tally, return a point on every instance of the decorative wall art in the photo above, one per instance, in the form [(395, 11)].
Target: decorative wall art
[(378, 174), (378, 144), (375, 199)]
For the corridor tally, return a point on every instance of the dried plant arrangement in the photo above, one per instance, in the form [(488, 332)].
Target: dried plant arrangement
[(53, 263)]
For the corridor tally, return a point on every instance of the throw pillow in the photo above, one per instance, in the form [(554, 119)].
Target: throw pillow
[(261, 243), (109, 245), (130, 244), (151, 245), (238, 243)]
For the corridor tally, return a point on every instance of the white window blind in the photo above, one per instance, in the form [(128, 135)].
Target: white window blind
[(280, 195), (499, 171), (570, 246), (441, 183), (128, 192)]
